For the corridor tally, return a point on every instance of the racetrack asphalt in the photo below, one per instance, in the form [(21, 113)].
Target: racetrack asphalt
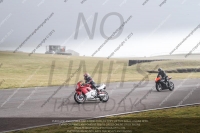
[(22, 108)]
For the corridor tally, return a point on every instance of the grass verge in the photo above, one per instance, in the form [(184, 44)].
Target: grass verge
[(174, 120)]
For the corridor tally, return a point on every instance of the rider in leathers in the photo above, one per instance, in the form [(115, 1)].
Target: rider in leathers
[(163, 75), (89, 80)]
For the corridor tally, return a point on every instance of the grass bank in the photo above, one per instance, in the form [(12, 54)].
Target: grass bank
[(20, 70)]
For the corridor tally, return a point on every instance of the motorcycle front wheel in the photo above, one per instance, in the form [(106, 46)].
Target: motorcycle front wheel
[(79, 98), (158, 87)]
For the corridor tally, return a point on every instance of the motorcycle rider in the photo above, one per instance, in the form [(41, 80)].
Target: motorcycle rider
[(163, 75), (88, 80)]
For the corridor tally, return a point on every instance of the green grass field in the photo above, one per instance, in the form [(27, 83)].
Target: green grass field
[(174, 120), (20, 70)]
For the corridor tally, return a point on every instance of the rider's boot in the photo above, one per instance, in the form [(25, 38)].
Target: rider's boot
[(97, 92)]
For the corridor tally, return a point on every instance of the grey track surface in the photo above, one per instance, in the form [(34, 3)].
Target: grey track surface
[(30, 113)]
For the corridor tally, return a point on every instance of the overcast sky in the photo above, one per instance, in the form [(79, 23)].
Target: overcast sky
[(156, 29)]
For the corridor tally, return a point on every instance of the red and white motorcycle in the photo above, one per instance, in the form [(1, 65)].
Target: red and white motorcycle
[(85, 92)]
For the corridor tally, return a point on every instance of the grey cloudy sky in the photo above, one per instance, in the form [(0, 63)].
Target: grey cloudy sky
[(156, 30)]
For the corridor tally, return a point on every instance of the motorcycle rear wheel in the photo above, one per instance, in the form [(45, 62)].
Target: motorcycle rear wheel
[(171, 86), (79, 98), (105, 98)]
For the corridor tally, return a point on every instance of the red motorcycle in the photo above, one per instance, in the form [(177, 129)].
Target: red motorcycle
[(85, 92), (162, 85)]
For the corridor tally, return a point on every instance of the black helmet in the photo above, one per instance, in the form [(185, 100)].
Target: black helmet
[(159, 69)]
